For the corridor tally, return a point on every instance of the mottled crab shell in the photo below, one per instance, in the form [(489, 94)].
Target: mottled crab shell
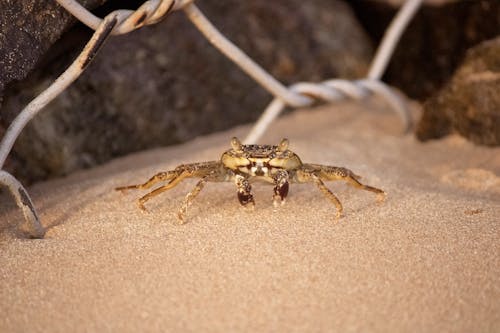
[(243, 157)]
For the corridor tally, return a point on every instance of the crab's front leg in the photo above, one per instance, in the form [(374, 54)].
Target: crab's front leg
[(280, 179)]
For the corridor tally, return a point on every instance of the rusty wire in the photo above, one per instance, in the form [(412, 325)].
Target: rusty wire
[(151, 12)]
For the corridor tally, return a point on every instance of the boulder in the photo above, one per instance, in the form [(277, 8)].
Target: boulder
[(435, 42), (470, 103), (27, 30)]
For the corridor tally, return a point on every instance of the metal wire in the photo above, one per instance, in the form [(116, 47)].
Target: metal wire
[(335, 90), (250, 67), (21, 196), (59, 85), (391, 38), (152, 11), (332, 91), (24, 202)]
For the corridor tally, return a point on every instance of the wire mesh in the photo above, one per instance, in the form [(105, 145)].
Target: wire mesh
[(152, 11)]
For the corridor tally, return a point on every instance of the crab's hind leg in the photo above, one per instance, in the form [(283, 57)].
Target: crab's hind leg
[(190, 197), (308, 173), (172, 183), (317, 173), (204, 170), (333, 198), (159, 177), (326, 172), (337, 173), (381, 194)]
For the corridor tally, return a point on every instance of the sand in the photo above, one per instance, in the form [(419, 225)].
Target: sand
[(427, 259)]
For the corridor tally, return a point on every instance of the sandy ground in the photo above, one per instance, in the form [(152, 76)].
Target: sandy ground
[(427, 259)]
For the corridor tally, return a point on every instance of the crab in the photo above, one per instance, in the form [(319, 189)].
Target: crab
[(245, 164)]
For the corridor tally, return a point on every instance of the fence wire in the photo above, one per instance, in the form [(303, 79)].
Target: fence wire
[(152, 11)]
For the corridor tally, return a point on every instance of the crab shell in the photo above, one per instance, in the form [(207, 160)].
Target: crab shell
[(260, 161)]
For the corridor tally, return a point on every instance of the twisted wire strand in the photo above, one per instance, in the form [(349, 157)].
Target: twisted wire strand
[(215, 37), (150, 12), (334, 90), (292, 97)]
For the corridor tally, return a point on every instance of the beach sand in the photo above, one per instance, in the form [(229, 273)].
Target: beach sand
[(427, 259)]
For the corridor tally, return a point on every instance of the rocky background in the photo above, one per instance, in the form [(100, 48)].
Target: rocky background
[(443, 62), (165, 83)]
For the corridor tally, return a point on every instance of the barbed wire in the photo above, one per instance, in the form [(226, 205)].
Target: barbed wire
[(332, 91), (152, 11)]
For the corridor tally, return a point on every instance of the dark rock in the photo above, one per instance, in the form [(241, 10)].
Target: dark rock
[(434, 43), (470, 103), (165, 83), (27, 30)]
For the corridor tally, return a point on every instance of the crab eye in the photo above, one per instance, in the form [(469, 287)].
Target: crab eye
[(283, 146), (236, 144)]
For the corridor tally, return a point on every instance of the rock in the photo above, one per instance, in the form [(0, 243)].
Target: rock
[(435, 41), (23, 40), (470, 103), (165, 83)]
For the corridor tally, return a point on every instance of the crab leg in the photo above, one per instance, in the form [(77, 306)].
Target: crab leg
[(329, 195), (171, 184), (326, 172), (354, 182), (317, 173), (190, 197), (206, 170), (159, 177), (337, 173)]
